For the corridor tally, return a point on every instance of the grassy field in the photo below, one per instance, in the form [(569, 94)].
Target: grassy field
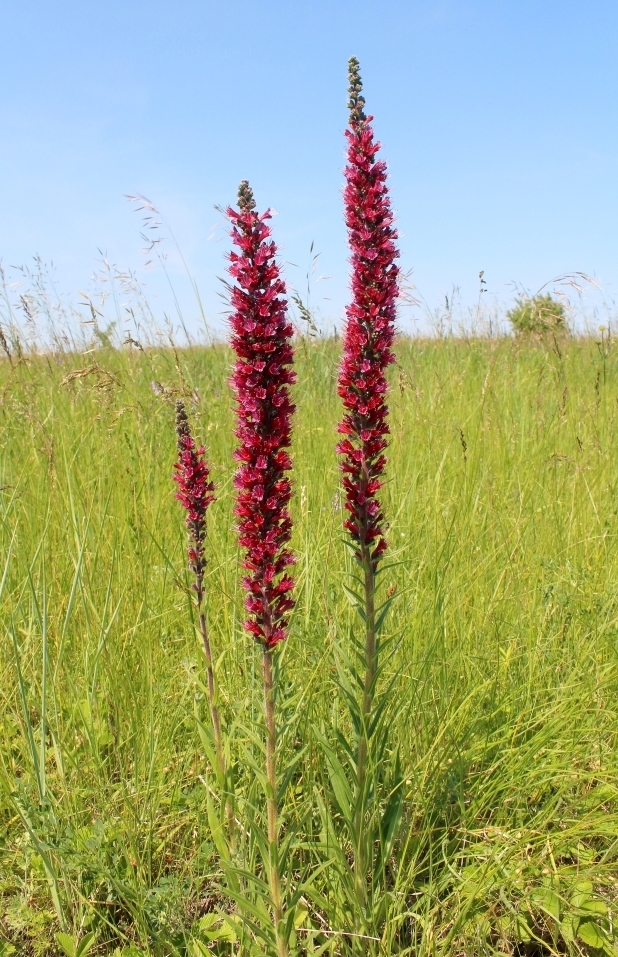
[(503, 510)]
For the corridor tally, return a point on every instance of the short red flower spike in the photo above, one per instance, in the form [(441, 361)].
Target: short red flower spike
[(261, 339), (195, 493), (369, 329)]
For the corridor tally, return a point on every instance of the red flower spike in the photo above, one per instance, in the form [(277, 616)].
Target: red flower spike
[(195, 493), (261, 339), (369, 328)]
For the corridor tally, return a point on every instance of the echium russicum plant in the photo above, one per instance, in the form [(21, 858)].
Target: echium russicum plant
[(261, 339), (262, 342), (369, 331), (362, 386), (196, 493)]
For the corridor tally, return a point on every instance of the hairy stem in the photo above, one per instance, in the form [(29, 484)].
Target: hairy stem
[(360, 863), (271, 802), (370, 660), (212, 700)]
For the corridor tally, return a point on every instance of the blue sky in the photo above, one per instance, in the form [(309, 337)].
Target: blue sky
[(498, 121)]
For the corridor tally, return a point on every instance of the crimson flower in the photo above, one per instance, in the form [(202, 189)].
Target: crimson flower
[(195, 493), (261, 338), (369, 330)]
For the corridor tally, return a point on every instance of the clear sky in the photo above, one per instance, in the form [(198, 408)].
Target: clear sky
[(498, 120)]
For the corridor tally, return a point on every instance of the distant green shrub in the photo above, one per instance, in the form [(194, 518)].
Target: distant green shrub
[(537, 315)]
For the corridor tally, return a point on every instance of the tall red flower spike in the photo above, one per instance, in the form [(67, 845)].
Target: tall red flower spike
[(369, 330), (195, 493), (261, 338)]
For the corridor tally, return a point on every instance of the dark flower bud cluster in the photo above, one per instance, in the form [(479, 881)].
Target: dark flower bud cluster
[(261, 338), (195, 492), (356, 99), (369, 330)]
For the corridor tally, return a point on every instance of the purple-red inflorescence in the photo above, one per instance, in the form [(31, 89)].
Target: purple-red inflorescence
[(369, 329), (195, 492), (261, 338)]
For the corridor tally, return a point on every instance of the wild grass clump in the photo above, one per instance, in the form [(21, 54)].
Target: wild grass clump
[(538, 315)]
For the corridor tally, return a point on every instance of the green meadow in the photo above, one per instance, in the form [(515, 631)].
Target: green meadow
[(502, 504)]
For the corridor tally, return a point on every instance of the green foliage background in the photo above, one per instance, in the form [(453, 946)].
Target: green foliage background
[(503, 509)]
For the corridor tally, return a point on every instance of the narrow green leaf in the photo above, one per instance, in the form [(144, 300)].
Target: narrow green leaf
[(85, 944)]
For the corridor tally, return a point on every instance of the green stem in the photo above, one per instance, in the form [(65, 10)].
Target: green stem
[(214, 710), (43, 744), (360, 862), (271, 802)]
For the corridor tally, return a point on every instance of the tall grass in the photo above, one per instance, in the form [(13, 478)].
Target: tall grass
[(504, 512)]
